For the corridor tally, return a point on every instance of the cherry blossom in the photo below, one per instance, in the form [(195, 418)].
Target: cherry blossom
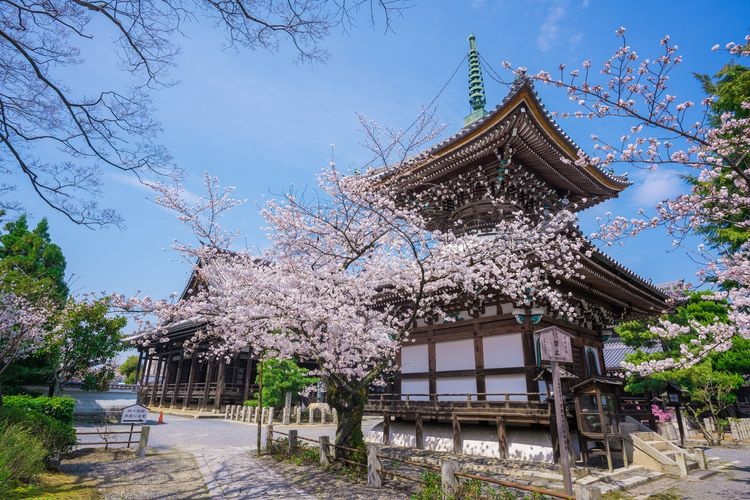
[(21, 328)]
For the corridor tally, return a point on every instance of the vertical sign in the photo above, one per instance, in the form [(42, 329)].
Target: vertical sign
[(556, 347)]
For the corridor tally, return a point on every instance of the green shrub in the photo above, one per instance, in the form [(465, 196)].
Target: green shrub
[(57, 437), (251, 402), (21, 455), (60, 408)]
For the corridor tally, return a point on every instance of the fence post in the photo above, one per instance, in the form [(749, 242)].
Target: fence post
[(681, 464), (586, 492), (292, 441), (263, 415), (374, 468), (335, 416), (299, 415), (700, 457), (311, 414), (257, 414), (270, 416), (322, 416), (143, 441), (324, 459), (449, 481), (285, 415), (267, 438), (226, 412)]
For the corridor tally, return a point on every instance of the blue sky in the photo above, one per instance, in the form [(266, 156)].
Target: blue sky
[(262, 122)]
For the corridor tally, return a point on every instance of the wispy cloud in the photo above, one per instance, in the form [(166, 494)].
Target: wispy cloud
[(655, 186), (143, 184), (550, 29)]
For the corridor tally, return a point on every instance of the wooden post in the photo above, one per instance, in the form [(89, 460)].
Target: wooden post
[(191, 379), (324, 459), (220, 384), (502, 439), (418, 431), (562, 428), (298, 418), (292, 441), (226, 413), (268, 436), (270, 415), (257, 414), (138, 367), (130, 436), (311, 415), (156, 380), (448, 478), (177, 378), (335, 414), (248, 371), (680, 426), (165, 383), (143, 441), (285, 416), (386, 428), (374, 468), (209, 369), (458, 442)]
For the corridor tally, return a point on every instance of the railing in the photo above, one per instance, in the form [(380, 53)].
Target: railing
[(198, 391), (107, 440), (525, 397)]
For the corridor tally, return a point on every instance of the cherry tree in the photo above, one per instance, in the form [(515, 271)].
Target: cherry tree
[(666, 131), (351, 267), (21, 330)]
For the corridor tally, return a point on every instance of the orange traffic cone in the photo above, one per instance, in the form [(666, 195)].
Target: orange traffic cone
[(161, 418)]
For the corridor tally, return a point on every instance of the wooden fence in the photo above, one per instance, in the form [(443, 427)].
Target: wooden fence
[(740, 428), (450, 471), (110, 437)]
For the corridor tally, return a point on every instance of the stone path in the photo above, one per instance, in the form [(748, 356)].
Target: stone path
[(233, 473)]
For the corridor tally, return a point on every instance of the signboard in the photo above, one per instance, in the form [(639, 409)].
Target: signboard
[(555, 345), (134, 414)]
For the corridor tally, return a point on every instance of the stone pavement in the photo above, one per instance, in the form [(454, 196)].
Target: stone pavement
[(233, 473)]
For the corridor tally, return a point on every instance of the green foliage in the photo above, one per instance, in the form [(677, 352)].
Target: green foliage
[(59, 408), (128, 368), (57, 437), (22, 456), (251, 402), (30, 264), (281, 376), (431, 487), (98, 379), (87, 337)]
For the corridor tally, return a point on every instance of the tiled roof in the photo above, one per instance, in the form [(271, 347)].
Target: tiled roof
[(615, 351)]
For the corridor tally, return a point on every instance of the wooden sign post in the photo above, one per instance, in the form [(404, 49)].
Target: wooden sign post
[(556, 348)]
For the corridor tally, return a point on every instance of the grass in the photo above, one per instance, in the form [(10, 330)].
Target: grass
[(55, 485)]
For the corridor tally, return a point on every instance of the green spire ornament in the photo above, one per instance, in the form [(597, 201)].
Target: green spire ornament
[(476, 85)]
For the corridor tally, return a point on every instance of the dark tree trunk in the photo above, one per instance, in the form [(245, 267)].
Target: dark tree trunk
[(350, 407)]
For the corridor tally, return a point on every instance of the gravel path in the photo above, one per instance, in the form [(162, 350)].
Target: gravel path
[(172, 474)]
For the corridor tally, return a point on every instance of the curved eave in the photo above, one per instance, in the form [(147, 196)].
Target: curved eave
[(474, 140)]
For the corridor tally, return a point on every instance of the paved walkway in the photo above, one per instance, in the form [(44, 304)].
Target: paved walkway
[(233, 473)]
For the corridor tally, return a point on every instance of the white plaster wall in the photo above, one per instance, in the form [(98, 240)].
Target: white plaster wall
[(453, 385), (415, 386), (505, 384), (530, 445), (503, 351), (414, 359), (454, 355)]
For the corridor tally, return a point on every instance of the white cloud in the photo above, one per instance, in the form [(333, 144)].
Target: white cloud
[(549, 30), (654, 186), (133, 181)]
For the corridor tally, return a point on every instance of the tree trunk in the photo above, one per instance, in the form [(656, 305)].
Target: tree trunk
[(1, 394), (350, 406)]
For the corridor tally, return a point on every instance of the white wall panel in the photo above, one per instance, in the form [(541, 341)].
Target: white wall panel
[(456, 385), (505, 384), (415, 386), (454, 355), (503, 351), (414, 359)]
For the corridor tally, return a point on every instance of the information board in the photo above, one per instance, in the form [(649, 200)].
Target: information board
[(555, 345), (134, 414)]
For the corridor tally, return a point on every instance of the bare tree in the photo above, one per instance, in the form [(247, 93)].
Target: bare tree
[(60, 141)]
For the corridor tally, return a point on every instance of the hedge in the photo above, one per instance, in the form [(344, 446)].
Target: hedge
[(22, 456), (58, 437), (60, 408)]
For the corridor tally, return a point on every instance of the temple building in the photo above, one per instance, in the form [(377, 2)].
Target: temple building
[(485, 364)]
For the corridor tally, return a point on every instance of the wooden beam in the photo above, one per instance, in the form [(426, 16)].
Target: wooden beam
[(220, 383), (386, 428), (191, 380), (432, 366), (167, 373), (479, 364), (156, 381), (207, 385), (177, 378), (248, 372)]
